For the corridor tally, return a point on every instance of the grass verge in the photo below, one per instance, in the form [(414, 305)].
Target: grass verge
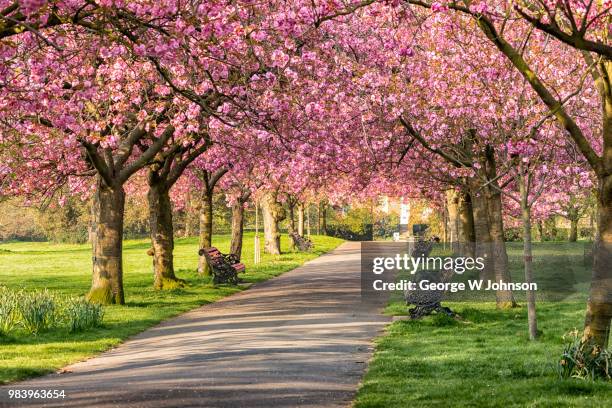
[(486, 360), (66, 269)]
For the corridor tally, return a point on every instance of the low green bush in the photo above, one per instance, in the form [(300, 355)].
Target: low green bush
[(38, 311), (82, 315), (584, 360), (8, 311)]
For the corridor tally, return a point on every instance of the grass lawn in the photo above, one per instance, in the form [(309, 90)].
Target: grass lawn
[(66, 269), (487, 360)]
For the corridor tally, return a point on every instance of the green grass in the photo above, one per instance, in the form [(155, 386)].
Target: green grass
[(487, 360), (66, 269)]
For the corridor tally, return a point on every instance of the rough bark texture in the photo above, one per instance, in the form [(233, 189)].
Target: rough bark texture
[(273, 213), (237, 228), (206, 223), (107, 243), (300, 222), (599, 304), (162, 235), (466, 225)]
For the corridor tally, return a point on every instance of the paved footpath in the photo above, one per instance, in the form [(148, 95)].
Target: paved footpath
[(301, 339)]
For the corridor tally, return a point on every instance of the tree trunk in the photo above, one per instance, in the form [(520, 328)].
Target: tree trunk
[(599, 304), (162, 236), (237, 228), (188, 218), (291, 206), (505, 298), (527, 256), (573, 234), (300, 223), (540, 230), (466, 224), (273, 213), (322, 221), (481, 229), (452, 205), (206, 224), (107, 277)]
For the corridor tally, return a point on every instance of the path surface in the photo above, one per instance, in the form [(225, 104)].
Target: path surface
[(301, 339)]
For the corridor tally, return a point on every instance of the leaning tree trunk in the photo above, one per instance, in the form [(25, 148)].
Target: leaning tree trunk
[(300, 222), (206, 223), (237, 228), (107, 243), (162, 237), (273, 213), (573, 234), (466, 223)]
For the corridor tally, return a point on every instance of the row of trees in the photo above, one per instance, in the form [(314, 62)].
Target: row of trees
[(504, 108)]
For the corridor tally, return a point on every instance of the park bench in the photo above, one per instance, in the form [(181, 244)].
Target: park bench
[(422, 248), (300, 242), (426, 302), (224, 268)]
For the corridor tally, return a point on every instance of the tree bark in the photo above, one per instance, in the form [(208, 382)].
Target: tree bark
[(237, 228), (452, 202), (540, 230), (162, 235), (322, 221), (505, 298), (573, 234), (466, 223), (273, 213), (291, 205), (599, 304), (481, 229), (188, 218), (206, 224), (300, 222), (527, 256), (107, 243)]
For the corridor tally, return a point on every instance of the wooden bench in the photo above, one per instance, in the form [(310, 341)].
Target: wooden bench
[(224, 268), (300, 242)]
